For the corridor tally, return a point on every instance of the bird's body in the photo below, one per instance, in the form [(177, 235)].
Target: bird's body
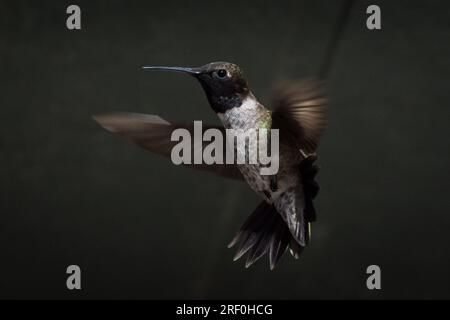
[(282, 219), (252, 115)]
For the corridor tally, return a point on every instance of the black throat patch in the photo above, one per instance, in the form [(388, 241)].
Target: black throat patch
[(221, 104)]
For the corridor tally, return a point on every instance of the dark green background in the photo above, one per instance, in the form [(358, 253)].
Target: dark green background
[(139, 227)]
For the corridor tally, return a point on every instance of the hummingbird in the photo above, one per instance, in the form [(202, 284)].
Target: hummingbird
[(282, 221)]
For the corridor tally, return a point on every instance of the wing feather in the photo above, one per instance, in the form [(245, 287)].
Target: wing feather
[(154, 133), (299, 113)]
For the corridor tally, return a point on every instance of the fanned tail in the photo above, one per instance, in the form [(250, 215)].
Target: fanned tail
[(265, 230)]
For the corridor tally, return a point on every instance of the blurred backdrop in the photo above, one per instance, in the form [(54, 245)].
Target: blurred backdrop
[(140, 227)]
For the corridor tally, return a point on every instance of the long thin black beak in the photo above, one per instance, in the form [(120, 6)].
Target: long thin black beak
[(192, 71)]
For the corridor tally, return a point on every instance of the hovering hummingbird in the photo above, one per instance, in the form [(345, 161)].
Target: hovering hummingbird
[(282, 220)]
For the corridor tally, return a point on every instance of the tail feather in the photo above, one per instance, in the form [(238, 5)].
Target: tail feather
[(278, 244), (262, 230), (262, 246), (252, 221), (249, 234), (295, 248)]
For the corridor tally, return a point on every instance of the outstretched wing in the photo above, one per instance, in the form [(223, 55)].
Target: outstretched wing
[(298, 113), (153, 133)]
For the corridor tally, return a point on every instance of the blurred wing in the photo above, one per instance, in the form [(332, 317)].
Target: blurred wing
[(153, 133), (299, 113)]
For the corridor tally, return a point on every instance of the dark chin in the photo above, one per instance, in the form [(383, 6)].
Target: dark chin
[(222, 103), (221, 99)]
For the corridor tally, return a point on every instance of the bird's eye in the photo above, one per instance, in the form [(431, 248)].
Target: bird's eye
[(221, 73)]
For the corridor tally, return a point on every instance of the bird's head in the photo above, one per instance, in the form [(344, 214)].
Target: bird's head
[(223, 83)]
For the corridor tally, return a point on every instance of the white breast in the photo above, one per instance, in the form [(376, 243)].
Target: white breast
[(245, 116)]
